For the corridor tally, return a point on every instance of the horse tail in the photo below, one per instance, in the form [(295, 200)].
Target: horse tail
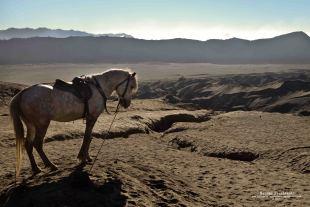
[(16, 115)]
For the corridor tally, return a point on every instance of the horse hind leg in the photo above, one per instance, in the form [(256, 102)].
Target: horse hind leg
[(29, 147), (38, 144)]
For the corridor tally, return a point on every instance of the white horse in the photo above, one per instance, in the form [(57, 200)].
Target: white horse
[(38, 105)]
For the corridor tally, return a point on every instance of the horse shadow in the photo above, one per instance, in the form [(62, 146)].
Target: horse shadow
[(76, 189)]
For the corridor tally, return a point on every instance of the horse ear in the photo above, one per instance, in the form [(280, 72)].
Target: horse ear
[(133, 74)]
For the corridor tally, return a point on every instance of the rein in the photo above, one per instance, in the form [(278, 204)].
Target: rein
[(116, 111), (102, 142)]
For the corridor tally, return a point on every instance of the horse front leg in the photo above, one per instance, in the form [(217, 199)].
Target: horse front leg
[(83, 155)]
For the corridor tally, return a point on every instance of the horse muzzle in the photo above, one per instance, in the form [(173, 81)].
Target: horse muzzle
[(124, 103)]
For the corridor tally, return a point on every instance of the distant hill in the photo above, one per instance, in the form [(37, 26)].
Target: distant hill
[(45, 32), (288, 48)]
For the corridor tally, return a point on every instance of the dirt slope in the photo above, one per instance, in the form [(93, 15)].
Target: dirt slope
[(161, 155), (272, 92)]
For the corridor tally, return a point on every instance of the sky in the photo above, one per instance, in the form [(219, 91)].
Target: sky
[(162, 19)]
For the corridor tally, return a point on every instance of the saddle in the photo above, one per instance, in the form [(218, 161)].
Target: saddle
[(80, 87)]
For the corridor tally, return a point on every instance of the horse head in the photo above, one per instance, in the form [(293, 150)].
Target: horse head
[(126, 89)]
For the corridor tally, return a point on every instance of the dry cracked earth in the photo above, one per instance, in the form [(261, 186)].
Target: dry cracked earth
[(161, 155)]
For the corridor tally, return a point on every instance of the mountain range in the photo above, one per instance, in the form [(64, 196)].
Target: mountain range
[(288, 48), (45, 32)]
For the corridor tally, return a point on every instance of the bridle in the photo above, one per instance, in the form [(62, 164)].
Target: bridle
[(127, 80), (97, 85)]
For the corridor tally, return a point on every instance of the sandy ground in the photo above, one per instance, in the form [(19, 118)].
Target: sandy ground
[(161, 155)]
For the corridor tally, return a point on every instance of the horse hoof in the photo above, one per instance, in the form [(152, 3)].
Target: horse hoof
[(81, 165), (36, 171), (82, 161), (53, 167), (82, 158), (89, 159)]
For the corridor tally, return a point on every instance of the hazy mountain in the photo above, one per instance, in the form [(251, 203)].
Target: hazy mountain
[(288, 48), (45, 32)]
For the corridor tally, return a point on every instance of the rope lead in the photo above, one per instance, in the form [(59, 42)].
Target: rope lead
[(104, 138)]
